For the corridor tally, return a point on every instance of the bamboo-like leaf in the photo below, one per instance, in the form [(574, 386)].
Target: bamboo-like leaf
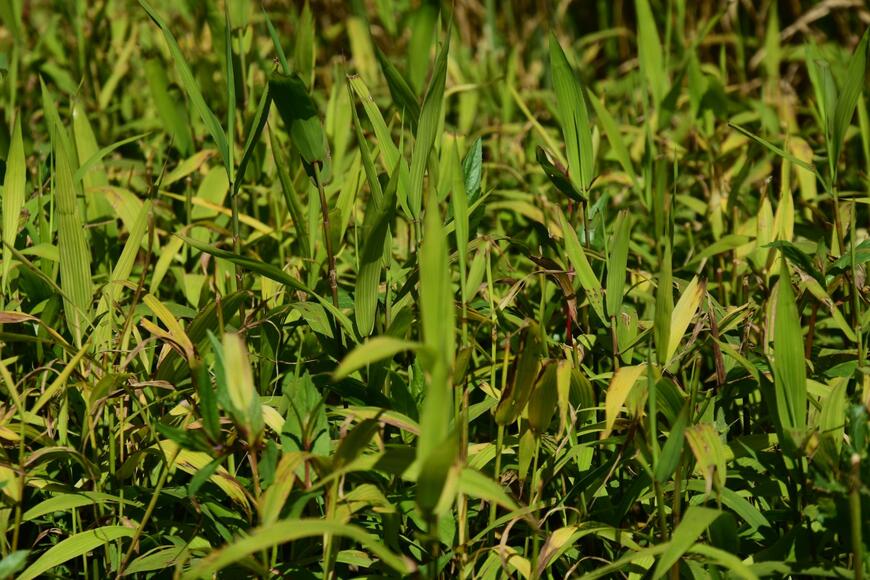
[(614, 136), (588, 280), (710, 454), (171, 110), (649, 50), (543, 401), (574, 118), (400, 90), (789, 366), (459, 197), (74, 547), (273, 273), (75, 255), (673, 448), (276, 42), (284, 531), (13, 197), (683, 313), (191, 462), (291, 196), (475, 484), (617, 392), (372, 351), (427, 128), (779, 151), (616, 264), (242, 394), (382, 133), (438, 479), (254, 133), (832, 419), (848, 98), (179, 336), (120, 273), (695, 521), (664, 307), (436, 314), (304, 49), (299, 113), (376, 229), (191, 87), (516, 395)]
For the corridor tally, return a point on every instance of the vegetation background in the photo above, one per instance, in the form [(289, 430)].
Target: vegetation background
[(469, 289)]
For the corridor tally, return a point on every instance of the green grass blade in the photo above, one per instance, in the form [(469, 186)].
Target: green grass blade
[(427, 129), (789, 366), (696, 520), (74, 547), (372, 351), (13, 197), (848, 98), (400, 90), (254, 133), (649, 50), (75, 255), (585, 274), (290, 530), (616, 264), (574, 118), (188, 82), (436, 317), (375, 229)]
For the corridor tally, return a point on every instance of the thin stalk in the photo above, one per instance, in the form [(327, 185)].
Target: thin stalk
[(533, 498), (499, 443), (161, 481), (853, 289), (855, 516), (328, 547), (327, 239)]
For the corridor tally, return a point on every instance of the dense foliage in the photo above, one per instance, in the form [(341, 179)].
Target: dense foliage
[(469, 289)]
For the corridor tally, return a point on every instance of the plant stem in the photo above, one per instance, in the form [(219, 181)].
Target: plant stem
[(161, 480), (855, 514), (327, 240), (499, 442)]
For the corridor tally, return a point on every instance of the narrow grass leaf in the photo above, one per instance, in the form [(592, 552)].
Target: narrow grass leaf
[(789, 366), (436, 314), (75, 255), (400, 90), (188, 82), (664, 307), (254, 133), (528, 365), (615, 138), (74, 547), (848, 98), (427, 128), (242, 393), (375, 229), (13, 194), (284, 531), (695, 521), (672, 451), (585, 274), (683, 313), (617, 392), (574, 119), (372, 351), (649, 50), (617, 262)]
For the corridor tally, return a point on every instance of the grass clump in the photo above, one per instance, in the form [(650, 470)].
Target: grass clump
[(434, 289)]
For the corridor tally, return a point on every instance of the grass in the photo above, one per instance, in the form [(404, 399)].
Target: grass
[(434, 289)]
